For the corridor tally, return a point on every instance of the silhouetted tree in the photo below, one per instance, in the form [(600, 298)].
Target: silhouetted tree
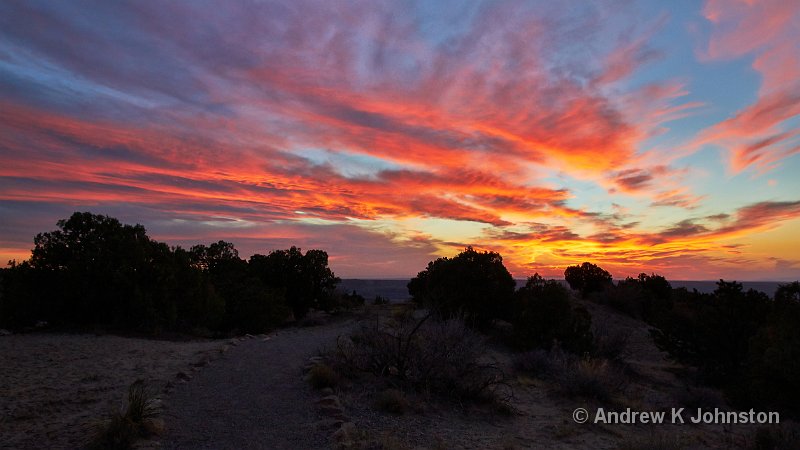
[(95, 270), (773, 364), (105, 268), (475, 284), (643, 297), (788, 294), (545, 316), (305, 279), (713, 331), (656, 285), (214, 255), (250, 305), (226, 270), (587, 278)]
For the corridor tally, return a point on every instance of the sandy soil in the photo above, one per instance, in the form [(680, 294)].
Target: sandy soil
[(55, 387)]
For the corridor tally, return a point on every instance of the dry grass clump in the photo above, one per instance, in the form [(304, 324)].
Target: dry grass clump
[(590, 378), (611, 343), (125, 427), (441, 357)]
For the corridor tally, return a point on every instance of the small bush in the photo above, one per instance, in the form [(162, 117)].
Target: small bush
[(380, 300), (393, 401), (350, 301), (442, 357), (610, 343), (323, 376)]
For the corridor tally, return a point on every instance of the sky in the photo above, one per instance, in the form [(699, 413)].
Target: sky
[(642, 136)]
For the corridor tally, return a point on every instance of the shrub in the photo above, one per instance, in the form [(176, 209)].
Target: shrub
[(587, 278), (442, 357), (380, 300), (610, 343), (473, 285), (546, 316), (346, 301)]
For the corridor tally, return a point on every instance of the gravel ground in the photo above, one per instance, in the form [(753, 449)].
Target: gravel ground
[(54, 388), (253, 397)]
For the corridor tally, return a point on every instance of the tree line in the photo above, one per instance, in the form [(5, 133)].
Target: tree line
[(95, 271)]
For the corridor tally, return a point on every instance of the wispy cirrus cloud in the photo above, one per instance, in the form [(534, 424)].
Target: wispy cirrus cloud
[(387, 134), (759, 135)]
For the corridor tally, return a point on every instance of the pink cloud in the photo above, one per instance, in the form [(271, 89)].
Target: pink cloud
[(758, 136)]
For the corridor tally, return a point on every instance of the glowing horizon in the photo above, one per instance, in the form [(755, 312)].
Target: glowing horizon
[(638, 135)]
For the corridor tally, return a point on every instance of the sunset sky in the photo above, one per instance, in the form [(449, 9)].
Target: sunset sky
[(642, 136)]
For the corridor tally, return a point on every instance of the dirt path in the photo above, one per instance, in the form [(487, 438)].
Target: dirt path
[(253, 397)]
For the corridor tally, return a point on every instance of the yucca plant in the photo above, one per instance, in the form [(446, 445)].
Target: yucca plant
[(141, 404), (130, 423)]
